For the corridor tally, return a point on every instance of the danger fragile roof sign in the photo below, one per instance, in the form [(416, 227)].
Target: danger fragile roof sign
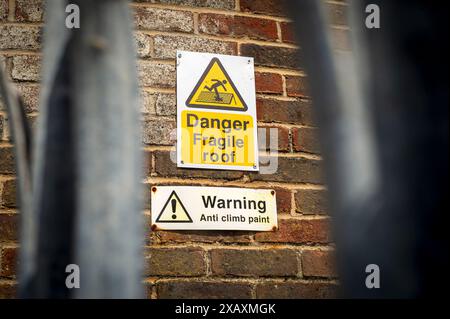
[(216, 112), (213, 208)]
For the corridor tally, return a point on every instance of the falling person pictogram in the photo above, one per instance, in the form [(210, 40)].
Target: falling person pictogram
[(215, 86), (216, 90)]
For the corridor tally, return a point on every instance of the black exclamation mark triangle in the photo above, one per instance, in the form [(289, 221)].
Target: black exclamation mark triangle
[(175, 212), (174, 208)]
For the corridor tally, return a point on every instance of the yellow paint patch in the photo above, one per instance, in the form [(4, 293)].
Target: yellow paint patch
[(217, 138)]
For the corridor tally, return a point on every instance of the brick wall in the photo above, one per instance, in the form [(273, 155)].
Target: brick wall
[(294, 262)]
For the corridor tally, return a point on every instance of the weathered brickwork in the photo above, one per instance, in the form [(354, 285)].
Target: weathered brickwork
[(296, 261)]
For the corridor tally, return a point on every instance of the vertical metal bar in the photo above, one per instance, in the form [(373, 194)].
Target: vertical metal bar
[(86, 172), (108, 221), (21, 138), (377, 109), (47, 235), (346, 138)]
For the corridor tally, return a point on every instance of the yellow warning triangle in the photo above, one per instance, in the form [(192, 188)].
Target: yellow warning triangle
[(216, 90), (174, 211)]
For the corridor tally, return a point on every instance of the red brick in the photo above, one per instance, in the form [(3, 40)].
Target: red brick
[(2, 124), (174, 261), (9, 224), (145, 197), (268, 83), (299, 231), (158, 132), (26, 67), (272, 56), (147, 163), (4, 9), (269, 7), (283, 137), (222, 4), (201, 236), (9, 194), (291, 169), (296, 290), (29, 10), (156, 74), (254, 262), (147, 102), (216, 24), (283, 200), (179, 289), (238, 26), (317, 263), (287, 32), (149, 240), (8, 261), (8, 289), (311, 201), (296, 86), (148, 289), (165, 46), (147, 18), (166, 104), (295, 112), (305, 139), (165, 167), (20, 37), (143, 43)]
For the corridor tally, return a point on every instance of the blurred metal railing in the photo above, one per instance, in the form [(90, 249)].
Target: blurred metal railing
[(80, 200), (382, 111)]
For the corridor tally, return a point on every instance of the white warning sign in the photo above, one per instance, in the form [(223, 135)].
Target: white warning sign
[(213, 208)]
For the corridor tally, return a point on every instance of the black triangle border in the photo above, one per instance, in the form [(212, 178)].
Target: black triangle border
[(205, 73), (174, 221)]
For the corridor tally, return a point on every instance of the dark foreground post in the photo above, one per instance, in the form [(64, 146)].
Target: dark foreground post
[(379, 110), (84, 207)]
